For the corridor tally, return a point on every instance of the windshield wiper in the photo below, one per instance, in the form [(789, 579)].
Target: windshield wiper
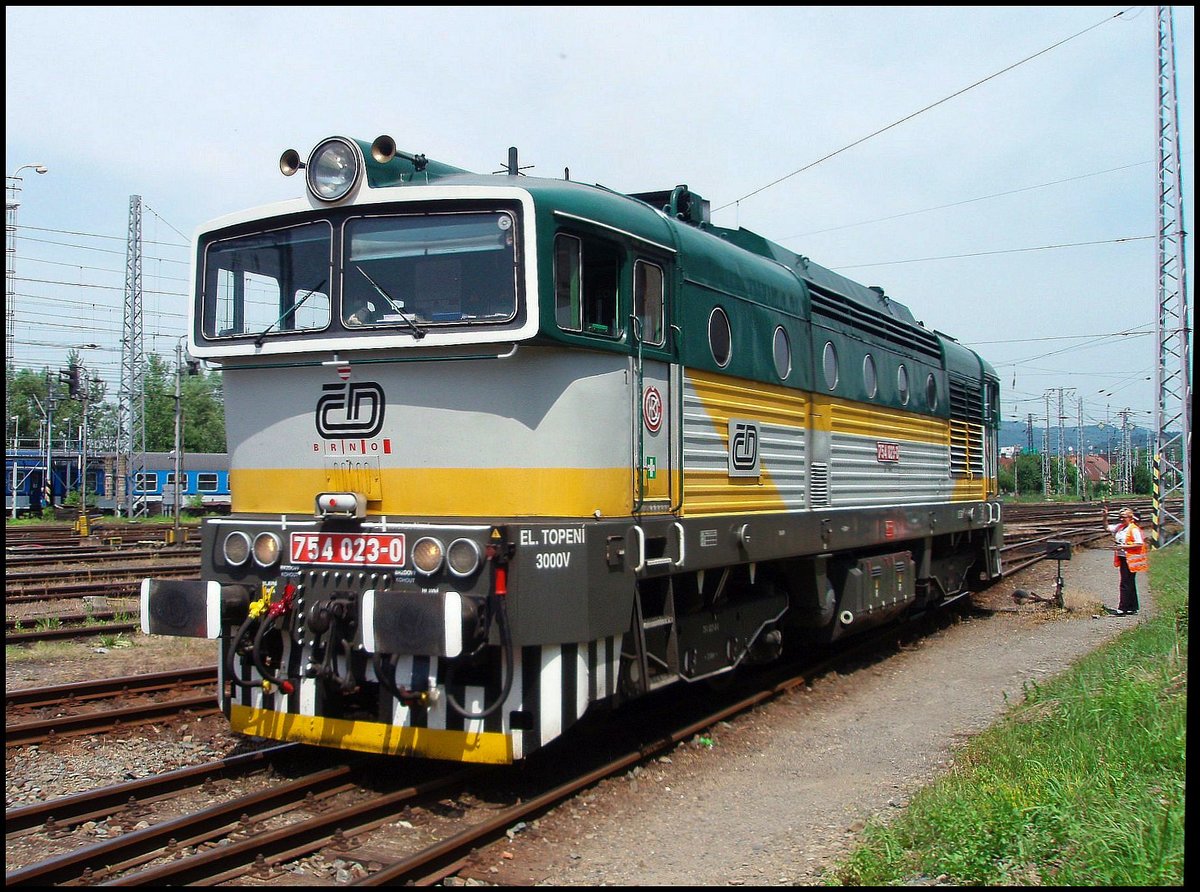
[(418, 332), (258, 341)]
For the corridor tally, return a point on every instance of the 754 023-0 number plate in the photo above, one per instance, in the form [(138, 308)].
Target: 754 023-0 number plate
[(355, 549)]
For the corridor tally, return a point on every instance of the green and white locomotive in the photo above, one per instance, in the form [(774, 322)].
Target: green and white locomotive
[(502, 448)]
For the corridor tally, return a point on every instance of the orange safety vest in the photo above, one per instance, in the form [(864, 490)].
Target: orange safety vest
[(1135, 554)]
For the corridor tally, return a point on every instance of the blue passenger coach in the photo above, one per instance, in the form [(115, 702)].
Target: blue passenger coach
[(205, 476)]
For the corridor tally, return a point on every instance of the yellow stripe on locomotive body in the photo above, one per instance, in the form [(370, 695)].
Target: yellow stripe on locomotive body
[(819, 451), (915, 471), (446, 492), (783, 417)]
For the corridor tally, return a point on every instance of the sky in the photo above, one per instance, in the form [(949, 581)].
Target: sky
[(994, 169)]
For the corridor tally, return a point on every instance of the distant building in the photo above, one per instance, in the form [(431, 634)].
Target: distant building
[(1010, 452), (1096, 468)]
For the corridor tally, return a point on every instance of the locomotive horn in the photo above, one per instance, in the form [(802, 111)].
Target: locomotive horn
[(383, 149), (289, 162)]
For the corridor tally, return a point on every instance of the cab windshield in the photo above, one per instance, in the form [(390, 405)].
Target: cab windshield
[(410, 272), (429, 269), (269, 282)]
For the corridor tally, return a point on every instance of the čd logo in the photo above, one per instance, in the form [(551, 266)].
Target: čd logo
[(350, 410), (743, 448)]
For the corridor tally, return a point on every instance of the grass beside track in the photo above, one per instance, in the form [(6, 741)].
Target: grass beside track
[(1081, 784)]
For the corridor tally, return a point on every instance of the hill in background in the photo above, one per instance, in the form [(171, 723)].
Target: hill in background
[(1100, 439)]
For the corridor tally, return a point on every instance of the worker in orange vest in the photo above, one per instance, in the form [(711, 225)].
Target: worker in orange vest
[(1129, 556)]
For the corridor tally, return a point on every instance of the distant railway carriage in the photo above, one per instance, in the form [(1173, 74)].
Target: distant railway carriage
[(503, 448), (205, 476), (25, 479)]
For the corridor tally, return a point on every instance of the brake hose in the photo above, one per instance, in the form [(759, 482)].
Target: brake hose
[(329, 660), (230, 659), (500, 610), (256, 610), (277, 611), (260, 662)]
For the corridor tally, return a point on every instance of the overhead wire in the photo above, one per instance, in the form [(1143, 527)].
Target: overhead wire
[(933, 105), (95, 235), (953, 204), (104, 316), (1099, 341), (1053, 338), (1115, 241), (1061, 246)]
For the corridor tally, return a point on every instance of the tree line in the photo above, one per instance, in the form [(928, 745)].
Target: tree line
[(33, 395), (1024, 477)]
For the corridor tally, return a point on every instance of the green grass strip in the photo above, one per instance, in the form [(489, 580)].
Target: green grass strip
[(1083, 783)]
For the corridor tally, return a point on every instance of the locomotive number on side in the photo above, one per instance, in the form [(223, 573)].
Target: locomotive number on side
[(345, 548)]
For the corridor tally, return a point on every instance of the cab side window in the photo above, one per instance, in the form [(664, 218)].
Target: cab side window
[(586, 273), (648, 301)]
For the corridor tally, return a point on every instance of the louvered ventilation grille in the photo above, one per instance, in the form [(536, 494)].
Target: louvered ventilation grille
[(966, 449), (819, 485), (836, 308), (966, 401)]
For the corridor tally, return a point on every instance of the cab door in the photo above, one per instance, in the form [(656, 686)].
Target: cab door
[(655, 391)]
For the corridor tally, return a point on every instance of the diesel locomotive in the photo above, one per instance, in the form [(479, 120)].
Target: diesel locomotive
[(505, 448)]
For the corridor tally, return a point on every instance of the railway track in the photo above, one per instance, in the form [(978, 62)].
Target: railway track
[(55, 557), (1032, 512), (1038, 547), (1030, 528), (417, 822), (29, 707), (46, 578), (111, 533), (34, 587), (47, 631)]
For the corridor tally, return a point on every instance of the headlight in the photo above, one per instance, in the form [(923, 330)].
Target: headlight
[(333, 169), (236, 548), (427, 555), (463, 557), (266, 549)]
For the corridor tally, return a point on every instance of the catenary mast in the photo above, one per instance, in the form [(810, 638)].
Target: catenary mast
[(1173, 404), (131, 410)]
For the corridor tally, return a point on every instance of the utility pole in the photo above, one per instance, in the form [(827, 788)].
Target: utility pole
[(16, 445), (86, 397), (1173, 407), (1126, 452), (1062, 446), (1017, 458), (1046, 452), (48, 414), (178, 437), (12, 205), (1080, 455)]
